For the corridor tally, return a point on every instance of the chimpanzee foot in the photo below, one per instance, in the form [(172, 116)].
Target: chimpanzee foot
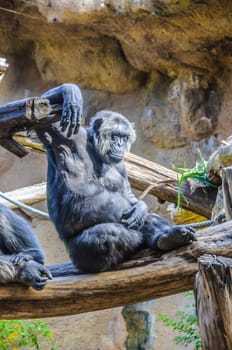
[(175, 237), (34, 274)]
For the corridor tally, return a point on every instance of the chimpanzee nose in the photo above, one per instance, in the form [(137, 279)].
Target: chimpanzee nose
[(120, 141)]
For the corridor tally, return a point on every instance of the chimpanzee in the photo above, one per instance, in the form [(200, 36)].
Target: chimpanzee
[(21, 256), (89, 196)]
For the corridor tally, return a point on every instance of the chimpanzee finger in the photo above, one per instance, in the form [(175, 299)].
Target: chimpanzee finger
[(189, 233), (77, 126), (65, 118), (75, 119), (44, 271), (39, 283), (127, 213), (191, 229)]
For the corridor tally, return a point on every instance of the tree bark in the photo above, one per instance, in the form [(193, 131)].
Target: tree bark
[(25, 114), (163, 184), (147, 276), (214, 302)]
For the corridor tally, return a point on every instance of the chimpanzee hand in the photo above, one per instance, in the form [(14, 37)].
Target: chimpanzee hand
[(71, 97), (176, 236), (33, 274), (134, 217), (72, 109)]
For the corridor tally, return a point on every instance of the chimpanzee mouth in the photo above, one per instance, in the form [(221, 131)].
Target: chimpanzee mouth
[(116, 156)]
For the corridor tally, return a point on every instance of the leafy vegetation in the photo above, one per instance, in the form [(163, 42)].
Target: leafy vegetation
[(15, 334), (198, 173), (185, 325)]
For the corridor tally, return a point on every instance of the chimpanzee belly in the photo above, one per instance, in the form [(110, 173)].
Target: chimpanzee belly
[(86, 207)]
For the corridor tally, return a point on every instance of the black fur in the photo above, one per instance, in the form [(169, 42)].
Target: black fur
[(89, 196), (21, 256)]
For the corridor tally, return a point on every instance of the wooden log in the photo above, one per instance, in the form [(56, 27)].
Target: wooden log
[(22, 114), (143, 278), (214, 302), (25, 114), (163, 184), (142, 174), (26, 195)]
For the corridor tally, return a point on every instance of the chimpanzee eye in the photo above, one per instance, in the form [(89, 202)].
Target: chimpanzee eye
[(125, 138)]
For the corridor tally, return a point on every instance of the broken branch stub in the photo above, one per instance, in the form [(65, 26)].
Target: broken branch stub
[(22, 115)]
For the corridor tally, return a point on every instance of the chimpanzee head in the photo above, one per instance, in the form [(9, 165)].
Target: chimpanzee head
[(113, 135)]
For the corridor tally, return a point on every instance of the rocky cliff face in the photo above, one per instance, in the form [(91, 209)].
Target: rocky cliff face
[(175, 56)]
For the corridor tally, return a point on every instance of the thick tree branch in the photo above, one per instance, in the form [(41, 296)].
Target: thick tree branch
[(25, 114), (143, 278)]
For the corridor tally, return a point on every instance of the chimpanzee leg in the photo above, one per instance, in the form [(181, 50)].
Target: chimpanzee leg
[(103, 246), (160, 234), (7, 270), (21, 256)]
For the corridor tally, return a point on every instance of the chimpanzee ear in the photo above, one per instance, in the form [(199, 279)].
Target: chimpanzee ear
[(97, 124)]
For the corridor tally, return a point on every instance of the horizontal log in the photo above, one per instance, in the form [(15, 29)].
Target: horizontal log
[(143, 278), (163, 184), (142, 175), (26, 195)]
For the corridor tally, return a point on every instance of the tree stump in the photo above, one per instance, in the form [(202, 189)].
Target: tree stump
[(214, 302)]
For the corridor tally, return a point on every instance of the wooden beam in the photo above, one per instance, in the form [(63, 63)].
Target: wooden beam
[(214, 302), (143, 278)]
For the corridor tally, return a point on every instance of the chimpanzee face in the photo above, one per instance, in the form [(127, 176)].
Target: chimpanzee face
[(113, 136)]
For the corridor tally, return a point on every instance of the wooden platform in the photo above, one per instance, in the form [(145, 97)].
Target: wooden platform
[(145, 277)]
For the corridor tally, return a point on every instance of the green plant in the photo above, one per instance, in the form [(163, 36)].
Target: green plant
[(199, 173), (185, 324), (17, 333)]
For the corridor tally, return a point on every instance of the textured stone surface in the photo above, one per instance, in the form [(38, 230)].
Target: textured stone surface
[(125, 46)]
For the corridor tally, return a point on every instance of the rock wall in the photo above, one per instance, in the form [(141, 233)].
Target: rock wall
[(165, 64), (174, 58)]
